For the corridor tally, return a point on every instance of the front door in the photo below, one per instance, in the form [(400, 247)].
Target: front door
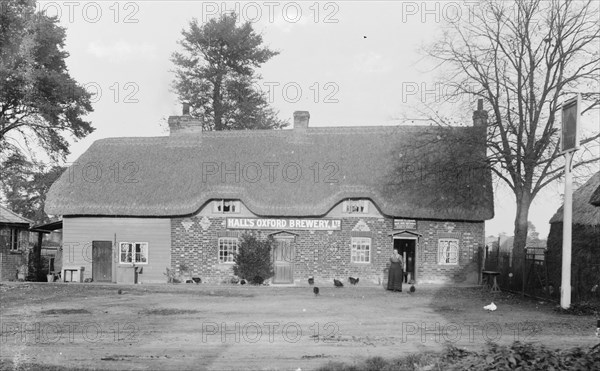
[(283, 259), (407, 248), (102, 261)]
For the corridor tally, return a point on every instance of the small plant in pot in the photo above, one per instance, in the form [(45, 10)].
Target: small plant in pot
[(22, 272)]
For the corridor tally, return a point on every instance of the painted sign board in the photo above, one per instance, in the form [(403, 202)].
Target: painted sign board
[(405, 224), (289, 224), (569, 139)]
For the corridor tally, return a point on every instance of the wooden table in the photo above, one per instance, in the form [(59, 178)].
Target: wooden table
[(489, 282)]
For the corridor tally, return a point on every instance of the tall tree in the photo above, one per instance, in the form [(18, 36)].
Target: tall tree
[(39, 101), (25, 184), (524, 58), (216, 75)]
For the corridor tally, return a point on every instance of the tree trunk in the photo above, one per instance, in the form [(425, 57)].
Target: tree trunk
[(520, 240), (217, 103)]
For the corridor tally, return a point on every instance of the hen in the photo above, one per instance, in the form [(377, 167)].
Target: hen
[(337, 283)]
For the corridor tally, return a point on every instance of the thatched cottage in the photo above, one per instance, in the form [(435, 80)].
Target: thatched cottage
[(585, 243), (337, 200)]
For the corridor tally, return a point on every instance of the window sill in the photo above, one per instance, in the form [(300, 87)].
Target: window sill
[(12, 252)]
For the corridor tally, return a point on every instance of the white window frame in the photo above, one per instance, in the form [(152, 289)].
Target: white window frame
[(219, 206), (445, 255), (357, 245), (355, 206), (224, 251), (13, 240), (132, 252)]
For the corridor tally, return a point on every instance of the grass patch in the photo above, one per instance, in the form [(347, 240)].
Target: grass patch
[(412, 362), (65, 311), (170, 312), (583, 308), (518, 356)]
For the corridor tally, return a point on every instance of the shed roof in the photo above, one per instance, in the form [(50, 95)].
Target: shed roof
[(177, 175), (9, 217), (584, 213)]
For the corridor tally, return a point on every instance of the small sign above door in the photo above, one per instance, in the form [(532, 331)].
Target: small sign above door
[(406, 224)]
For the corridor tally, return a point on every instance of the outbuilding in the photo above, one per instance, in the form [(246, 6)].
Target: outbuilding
[(336, 200)]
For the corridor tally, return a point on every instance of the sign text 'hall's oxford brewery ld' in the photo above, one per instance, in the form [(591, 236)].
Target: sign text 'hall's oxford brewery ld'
[(394, 187)]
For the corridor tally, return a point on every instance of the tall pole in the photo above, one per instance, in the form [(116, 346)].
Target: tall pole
[(565, 287)]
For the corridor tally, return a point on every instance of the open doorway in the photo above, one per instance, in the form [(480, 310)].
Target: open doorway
[(407, 249)]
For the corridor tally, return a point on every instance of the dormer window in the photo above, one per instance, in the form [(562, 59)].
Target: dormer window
[(355, 206), (226, 206)]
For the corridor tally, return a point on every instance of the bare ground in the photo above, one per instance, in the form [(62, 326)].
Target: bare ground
[(92, 326)]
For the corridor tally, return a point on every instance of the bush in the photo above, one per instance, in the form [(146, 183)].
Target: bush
[(253, 260), (35, 267)]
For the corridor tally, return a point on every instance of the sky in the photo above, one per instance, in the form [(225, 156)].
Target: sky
[(347, 63)]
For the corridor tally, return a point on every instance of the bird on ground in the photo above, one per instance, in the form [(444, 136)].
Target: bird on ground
[(337, 283), (120, 291), (311, 280), (353, 281), (412, 289), (197, 279), (316, 290), (491, 307), (242, 282)]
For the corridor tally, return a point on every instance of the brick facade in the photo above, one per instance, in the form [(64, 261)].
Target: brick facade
[(10, 260), (326, 254)]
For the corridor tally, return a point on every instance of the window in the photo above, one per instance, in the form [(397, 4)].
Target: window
[(228, 248), (14, 242), (355, 206), (448, 251), (133, 252), (360, 251), (226, 206)]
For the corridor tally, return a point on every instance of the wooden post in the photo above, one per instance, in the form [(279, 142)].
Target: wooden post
[(565, 287), (37, 256)]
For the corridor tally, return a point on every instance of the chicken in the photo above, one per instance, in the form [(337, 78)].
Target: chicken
[(337, 283), (491, 307), (316, 290), (412, 289), (197, 279), (311, 280), (242, 282), (353, 281)]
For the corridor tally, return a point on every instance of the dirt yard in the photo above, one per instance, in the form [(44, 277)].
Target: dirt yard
[(177, 327)]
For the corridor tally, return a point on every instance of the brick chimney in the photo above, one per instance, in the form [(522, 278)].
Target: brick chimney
[(184, 124), (480, 117), (301, 119)]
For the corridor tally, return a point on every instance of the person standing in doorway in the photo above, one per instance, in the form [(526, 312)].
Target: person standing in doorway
[(396, 275)]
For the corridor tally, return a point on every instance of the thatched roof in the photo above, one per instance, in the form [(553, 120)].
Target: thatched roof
[(364, 162), (9, 217), (595, 199), (584, 213)]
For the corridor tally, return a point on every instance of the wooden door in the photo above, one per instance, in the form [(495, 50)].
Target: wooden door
[(102, 261), (283, 260)]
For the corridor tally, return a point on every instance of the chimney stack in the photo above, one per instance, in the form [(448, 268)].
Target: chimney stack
[(301, 119), (480, 117), (184, 124)]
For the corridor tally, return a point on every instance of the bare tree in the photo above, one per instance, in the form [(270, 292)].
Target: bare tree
[(524, 58)]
